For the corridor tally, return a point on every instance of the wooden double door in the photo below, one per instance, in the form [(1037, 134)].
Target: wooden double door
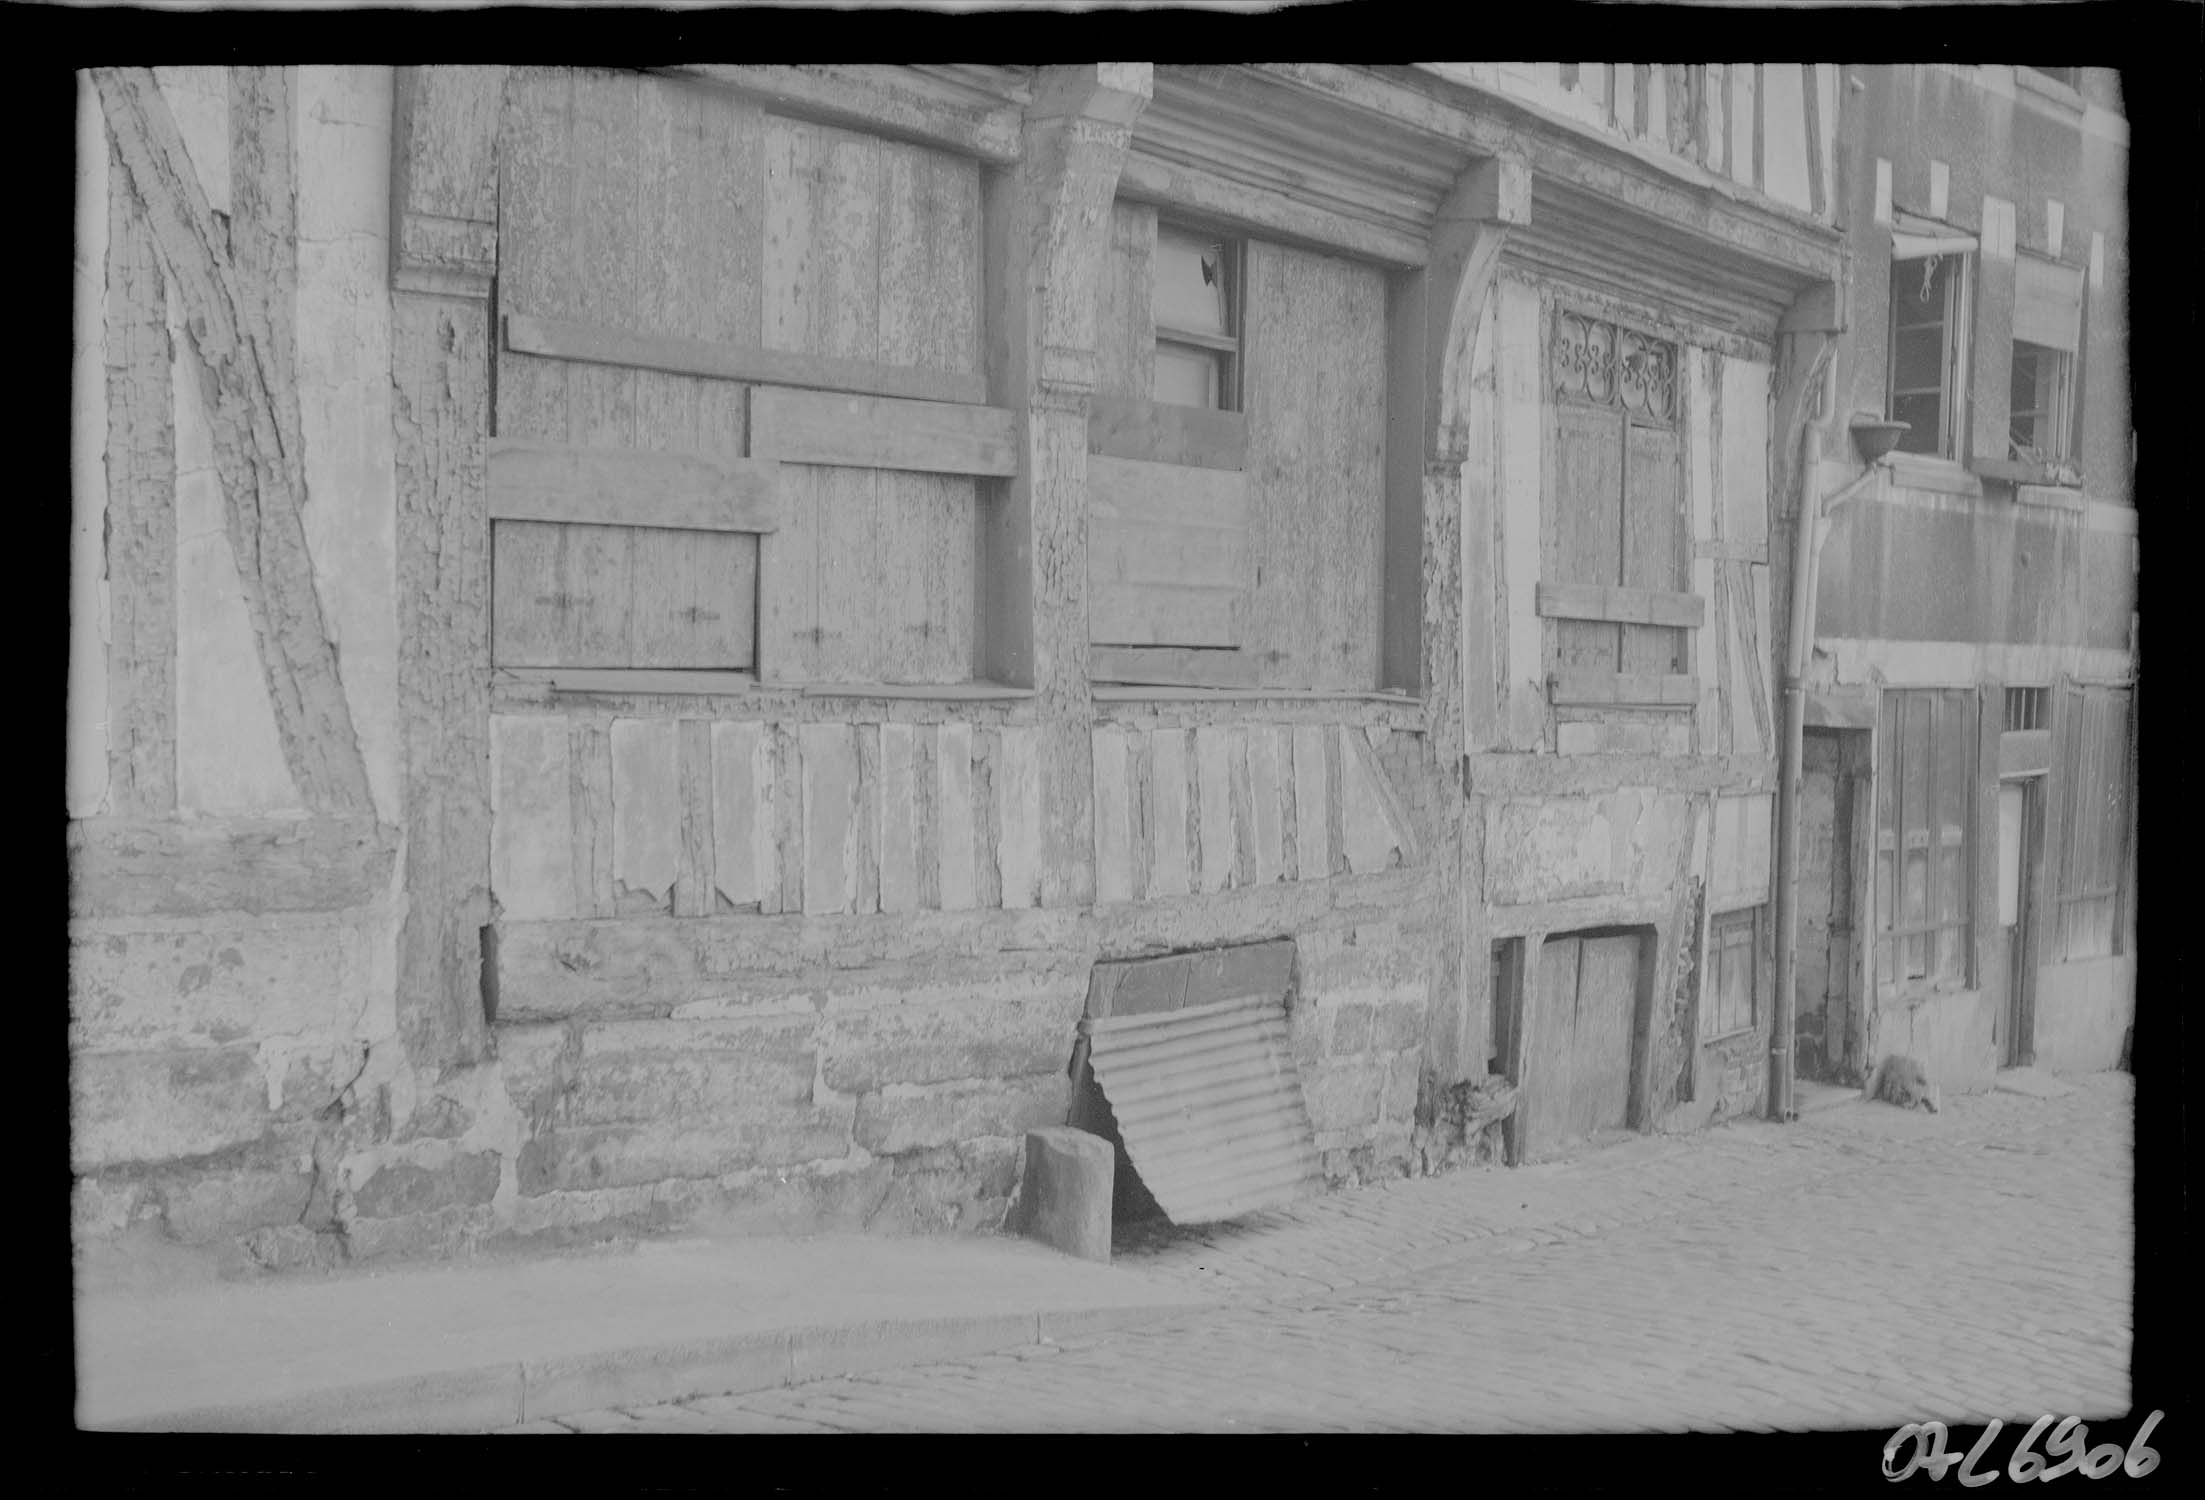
[(1583, 1037)]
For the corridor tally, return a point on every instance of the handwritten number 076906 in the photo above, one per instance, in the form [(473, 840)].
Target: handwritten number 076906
[(2070, 1437)]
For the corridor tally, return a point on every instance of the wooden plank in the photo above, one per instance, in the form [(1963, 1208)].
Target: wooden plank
[(1125, 327), (1168, 563), (742, 812), (2024, 752), (987, 819), (139, 558), (1366, 819), (531, 838), (1587, 525), (1167, 801), (1312, 805), (1135, 490), (1018, 817), (1581, 686), (899, 846), (1171, 666), (589, 812), (596, 343), (578, 597), (954, 813), (533, 481), (1212, 745), (893, 101), (1156, 614), (693, 896), (878, 432), (788, 821), (1316, 381), (1158, 432), (868, 818), (1653, 542), (646, 812), (122, 868), (1592, 601), (830, 817), (1113, 817), (1269, 750)]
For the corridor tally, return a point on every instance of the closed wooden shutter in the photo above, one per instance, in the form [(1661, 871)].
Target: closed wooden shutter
[(626, 204), (1653, 543), (684, 276), (1588, 502)]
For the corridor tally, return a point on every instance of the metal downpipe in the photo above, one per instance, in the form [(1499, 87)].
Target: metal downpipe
[(1806, 554)]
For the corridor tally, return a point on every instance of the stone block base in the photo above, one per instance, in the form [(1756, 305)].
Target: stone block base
[(1065, 1200)]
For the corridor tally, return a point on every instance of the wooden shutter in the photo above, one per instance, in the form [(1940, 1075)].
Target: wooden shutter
[(1588, 520), (627, 204), (1653, 543), (1990, 383)]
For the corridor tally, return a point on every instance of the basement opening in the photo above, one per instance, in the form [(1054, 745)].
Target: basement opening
[(1184, 1065)]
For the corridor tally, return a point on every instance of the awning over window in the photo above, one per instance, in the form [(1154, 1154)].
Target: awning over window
[(1913, 237), (2047, 303)]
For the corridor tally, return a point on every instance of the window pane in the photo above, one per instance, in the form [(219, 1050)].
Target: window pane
[(1914, 810), (1952, 960), (1953, 787), (1918, 360), (1924, 416), (1192, 291), (1914, 956), (1186, 376)]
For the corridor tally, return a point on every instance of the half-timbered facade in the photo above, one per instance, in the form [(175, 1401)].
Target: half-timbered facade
[(705, 648)]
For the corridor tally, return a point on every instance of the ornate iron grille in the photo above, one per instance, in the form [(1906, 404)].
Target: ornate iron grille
[(1606, 364)]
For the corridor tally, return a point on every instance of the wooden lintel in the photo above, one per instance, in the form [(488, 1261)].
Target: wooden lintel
[(882, 432), (889, 101), (1592, 688), (1155, 432), (614, 487), (168, 868), (559, 338), (1593, 601), (1264, 211)]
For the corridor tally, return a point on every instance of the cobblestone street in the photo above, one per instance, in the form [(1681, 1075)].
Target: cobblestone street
[(1865, 1267)]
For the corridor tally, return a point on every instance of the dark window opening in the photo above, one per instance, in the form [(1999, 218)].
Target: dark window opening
[(2024, 708), (1927, 302), (1195, 301)]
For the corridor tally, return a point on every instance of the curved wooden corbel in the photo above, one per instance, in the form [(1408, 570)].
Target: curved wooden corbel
[(1467, 237)]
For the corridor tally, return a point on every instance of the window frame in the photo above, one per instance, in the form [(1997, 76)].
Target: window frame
[(1955, 367), (1225, 349), (2056, 416), (1894, 797)]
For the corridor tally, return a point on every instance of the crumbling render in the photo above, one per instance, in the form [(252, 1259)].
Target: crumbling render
[(235, 290)]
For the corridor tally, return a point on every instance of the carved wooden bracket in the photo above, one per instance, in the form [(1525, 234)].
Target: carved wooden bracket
[(1467, 237), (444, 179), (1077, 132)]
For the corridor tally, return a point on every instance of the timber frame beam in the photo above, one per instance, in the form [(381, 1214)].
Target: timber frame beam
[(1046, 233), (445, 125), (235, 288)]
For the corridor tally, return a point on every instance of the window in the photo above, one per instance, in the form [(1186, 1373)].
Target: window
[(2047, 332), (1925, 821), (2024, 708), (1733, 973), (2093, 772), (1196, 306), (1929, 303), (1619, 518)]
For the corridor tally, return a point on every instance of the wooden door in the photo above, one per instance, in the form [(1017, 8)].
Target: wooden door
[(1579, 1062)]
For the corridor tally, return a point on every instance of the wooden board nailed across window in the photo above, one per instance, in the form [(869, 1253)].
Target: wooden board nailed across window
[(669, 252)]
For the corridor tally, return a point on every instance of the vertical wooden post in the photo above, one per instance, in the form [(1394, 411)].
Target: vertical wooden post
[(1047, 232), (1426, 592), (443, 253)]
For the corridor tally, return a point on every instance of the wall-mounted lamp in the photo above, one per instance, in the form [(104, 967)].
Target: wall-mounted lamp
[(1875, 436)]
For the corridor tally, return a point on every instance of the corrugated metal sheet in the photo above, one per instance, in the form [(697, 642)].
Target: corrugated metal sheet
[(1209, 1104)]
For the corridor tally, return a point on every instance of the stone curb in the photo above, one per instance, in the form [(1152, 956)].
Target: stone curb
[(508, 1394)]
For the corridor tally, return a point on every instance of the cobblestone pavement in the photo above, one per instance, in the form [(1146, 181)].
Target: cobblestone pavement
[(1865, 1267)]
